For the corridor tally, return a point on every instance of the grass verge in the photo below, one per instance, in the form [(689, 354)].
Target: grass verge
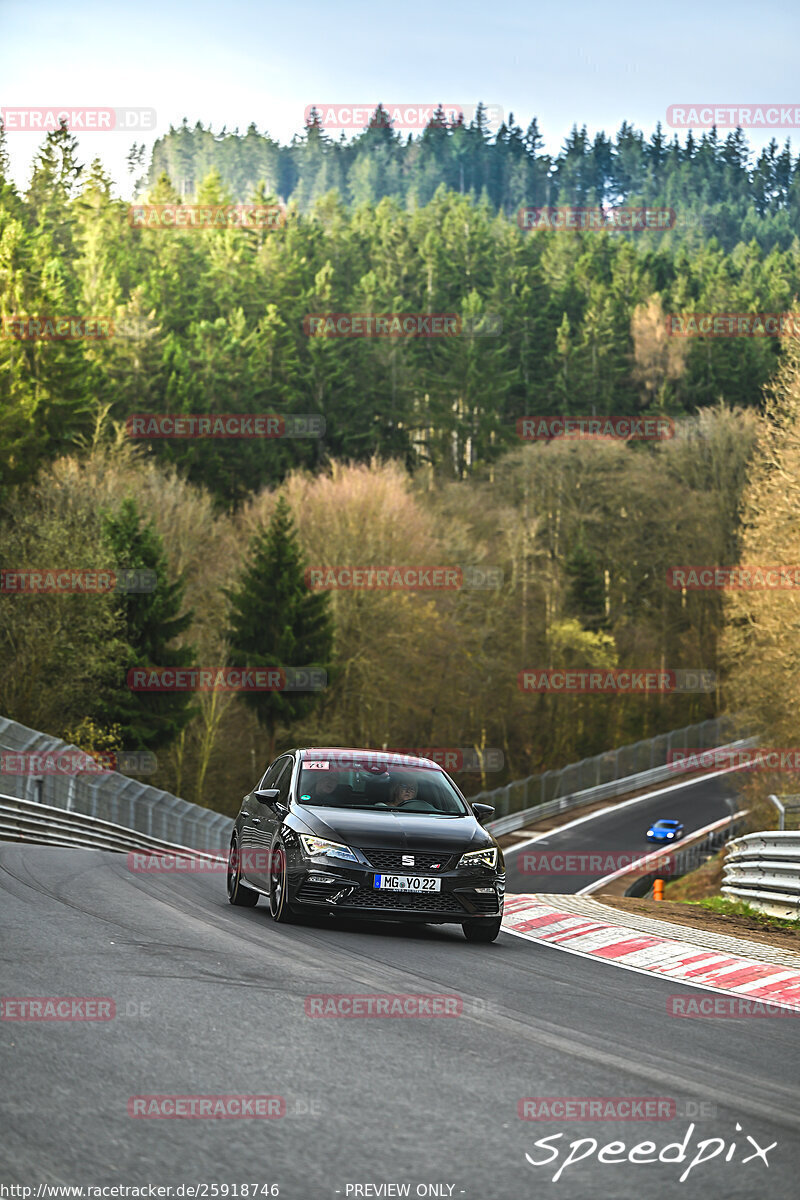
[(728, 907)]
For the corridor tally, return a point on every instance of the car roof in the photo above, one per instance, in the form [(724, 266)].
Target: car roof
[(396, 758), (667, 821)]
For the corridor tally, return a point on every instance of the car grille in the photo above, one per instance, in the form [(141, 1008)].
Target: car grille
[(428, 902), (392, 860)]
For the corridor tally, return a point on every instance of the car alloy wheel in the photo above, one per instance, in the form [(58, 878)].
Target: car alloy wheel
[(238, 894), (278, 888)]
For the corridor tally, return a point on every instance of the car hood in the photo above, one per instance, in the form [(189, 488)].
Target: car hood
[(394, 831)]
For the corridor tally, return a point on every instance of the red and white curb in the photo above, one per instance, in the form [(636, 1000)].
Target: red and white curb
[(528, 917)]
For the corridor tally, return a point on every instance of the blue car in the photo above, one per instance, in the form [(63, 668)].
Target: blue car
[(665, 831)]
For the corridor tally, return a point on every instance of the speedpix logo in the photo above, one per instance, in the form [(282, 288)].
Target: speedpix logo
[(616, 1152)]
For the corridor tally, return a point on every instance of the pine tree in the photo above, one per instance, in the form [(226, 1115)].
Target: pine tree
[(277, 622), (586, 594), (151, 622)]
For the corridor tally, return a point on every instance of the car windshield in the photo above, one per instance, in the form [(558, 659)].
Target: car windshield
[(667, 824), (378, 788)]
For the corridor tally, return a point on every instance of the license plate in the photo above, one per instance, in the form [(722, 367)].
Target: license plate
[(408, 883)]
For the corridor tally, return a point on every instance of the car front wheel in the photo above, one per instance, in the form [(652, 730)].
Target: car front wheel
[(238, 894), (278, 887), (483, 931)]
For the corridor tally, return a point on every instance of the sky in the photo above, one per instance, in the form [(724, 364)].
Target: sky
[(234, 62)]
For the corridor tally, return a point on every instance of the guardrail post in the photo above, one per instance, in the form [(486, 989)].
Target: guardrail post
[(781, 809)]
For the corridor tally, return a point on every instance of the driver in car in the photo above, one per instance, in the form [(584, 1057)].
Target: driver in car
[(325, 785), (402, 792)]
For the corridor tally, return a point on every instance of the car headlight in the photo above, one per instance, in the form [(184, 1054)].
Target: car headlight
[(670, 835), (479, 858), (318, 845), (650, 833)]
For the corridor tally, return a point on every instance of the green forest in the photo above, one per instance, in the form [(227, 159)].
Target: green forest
[(420, 461)]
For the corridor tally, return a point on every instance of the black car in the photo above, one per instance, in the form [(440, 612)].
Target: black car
[(367, 834)]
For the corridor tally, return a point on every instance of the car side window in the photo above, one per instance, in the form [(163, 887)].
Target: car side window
[(272, 774), (283, 781)]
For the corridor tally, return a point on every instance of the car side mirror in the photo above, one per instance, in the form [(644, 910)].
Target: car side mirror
[(483, 812), (267, 795)]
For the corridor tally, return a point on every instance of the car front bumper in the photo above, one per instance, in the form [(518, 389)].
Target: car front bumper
[(465, 895)]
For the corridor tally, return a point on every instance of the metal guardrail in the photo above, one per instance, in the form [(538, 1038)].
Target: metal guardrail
[(605, 791), (108, 796), (124, 802), (763, 869), (688, 859), (602, 770), (29, 821), (785, 804)]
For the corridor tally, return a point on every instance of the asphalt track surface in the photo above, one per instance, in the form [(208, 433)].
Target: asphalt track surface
[(210, 1000), (544, 866)]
